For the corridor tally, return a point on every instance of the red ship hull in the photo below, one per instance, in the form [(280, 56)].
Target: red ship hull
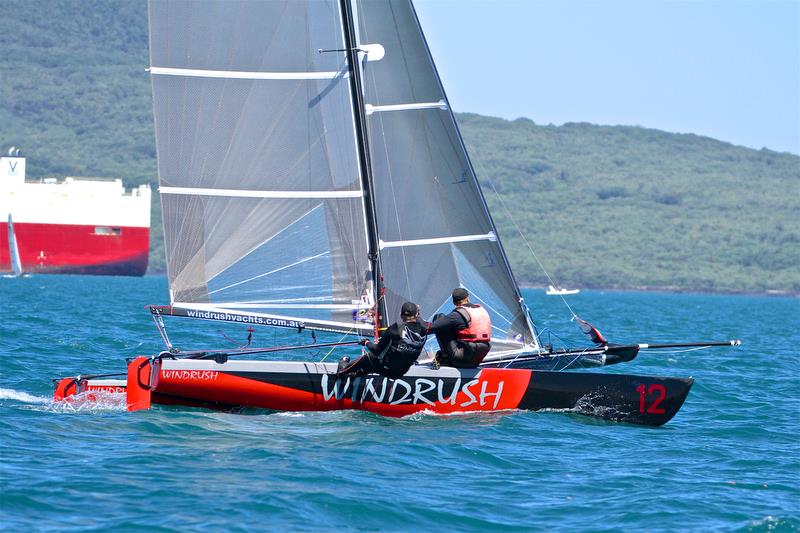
[(78, 249)]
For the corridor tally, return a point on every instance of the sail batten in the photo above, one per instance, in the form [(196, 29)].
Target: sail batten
[(441, 104), (439, 240), (242, 193), (240, 75)]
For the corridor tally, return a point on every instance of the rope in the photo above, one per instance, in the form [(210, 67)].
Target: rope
[(334, 347), (528, 245), (525, 240)]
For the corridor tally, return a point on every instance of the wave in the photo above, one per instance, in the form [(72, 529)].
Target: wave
[(24, 397), (90, 401)]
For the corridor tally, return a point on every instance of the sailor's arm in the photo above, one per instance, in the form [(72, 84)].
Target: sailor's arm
[(450, 322)]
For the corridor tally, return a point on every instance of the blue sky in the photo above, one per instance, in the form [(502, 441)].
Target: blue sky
[(725, 69)]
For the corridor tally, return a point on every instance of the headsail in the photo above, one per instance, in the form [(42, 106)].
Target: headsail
[(435, 229), (260, 187)]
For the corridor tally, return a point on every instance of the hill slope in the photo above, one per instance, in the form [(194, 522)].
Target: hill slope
[(602, 206), (634, 207)]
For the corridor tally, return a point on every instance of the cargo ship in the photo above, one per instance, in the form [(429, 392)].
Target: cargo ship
[(72, 226)]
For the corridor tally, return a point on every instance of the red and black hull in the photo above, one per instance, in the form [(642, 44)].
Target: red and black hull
[(295, 386)]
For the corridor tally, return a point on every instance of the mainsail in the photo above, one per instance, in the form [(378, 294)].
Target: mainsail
[(258, 168), (265, 196)]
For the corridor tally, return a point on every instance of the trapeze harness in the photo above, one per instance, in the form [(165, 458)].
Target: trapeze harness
[(393, 361), (401, 353)]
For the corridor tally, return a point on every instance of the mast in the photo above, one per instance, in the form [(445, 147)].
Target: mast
[(364, 161)]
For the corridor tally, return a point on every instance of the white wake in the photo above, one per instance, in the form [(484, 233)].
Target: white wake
[(93, 401), (24, 397)]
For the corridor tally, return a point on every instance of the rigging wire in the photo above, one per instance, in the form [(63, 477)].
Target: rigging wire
[(525, 240), (334, 347)]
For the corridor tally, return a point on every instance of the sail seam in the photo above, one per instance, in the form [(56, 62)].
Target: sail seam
[(243, 75), (240, 193), (439, 240), (256, 305)]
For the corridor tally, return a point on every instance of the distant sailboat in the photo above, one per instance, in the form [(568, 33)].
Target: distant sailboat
[(560, 291), (13, 249)]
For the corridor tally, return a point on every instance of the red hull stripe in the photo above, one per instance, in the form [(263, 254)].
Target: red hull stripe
[(72, 249)]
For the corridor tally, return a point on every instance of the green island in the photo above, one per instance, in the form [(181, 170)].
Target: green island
[(616, 207)]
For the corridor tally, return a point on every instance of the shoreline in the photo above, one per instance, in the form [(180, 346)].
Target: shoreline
[(772, 293)]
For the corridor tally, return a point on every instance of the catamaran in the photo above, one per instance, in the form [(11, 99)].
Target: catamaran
[(313, 178)]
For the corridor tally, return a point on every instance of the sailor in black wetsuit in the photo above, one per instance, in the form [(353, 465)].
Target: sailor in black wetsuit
[(464, 335), (398, 348)]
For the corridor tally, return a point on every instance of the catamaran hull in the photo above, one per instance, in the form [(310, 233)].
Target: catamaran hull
[(296, 386)]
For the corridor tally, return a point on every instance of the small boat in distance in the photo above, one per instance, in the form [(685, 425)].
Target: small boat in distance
[(560, 291)]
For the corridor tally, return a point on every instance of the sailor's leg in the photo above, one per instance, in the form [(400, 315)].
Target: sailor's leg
[(366, 364), (444, 357), (468, 354)]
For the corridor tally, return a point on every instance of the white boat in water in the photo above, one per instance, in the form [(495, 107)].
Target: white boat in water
[(560, 291)]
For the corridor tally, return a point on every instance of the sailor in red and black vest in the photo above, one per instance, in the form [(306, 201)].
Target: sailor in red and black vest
[(464, 335)]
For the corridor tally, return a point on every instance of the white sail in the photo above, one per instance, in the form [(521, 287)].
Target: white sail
[(260, 186), (433, 222), (13, 249), (291, 193)]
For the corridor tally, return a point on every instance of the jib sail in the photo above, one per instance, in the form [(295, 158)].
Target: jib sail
[(435, 229)]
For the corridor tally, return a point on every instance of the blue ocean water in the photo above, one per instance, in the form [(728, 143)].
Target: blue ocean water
[(728, 461)]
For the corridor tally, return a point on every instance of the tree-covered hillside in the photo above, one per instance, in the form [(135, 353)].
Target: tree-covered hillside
[(601, 206), (634, 207)]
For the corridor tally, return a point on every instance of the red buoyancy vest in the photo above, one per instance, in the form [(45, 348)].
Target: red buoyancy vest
[(480, 325)]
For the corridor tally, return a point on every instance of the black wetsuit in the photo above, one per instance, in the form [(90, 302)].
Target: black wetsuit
[(393, 354), (455, 352)]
